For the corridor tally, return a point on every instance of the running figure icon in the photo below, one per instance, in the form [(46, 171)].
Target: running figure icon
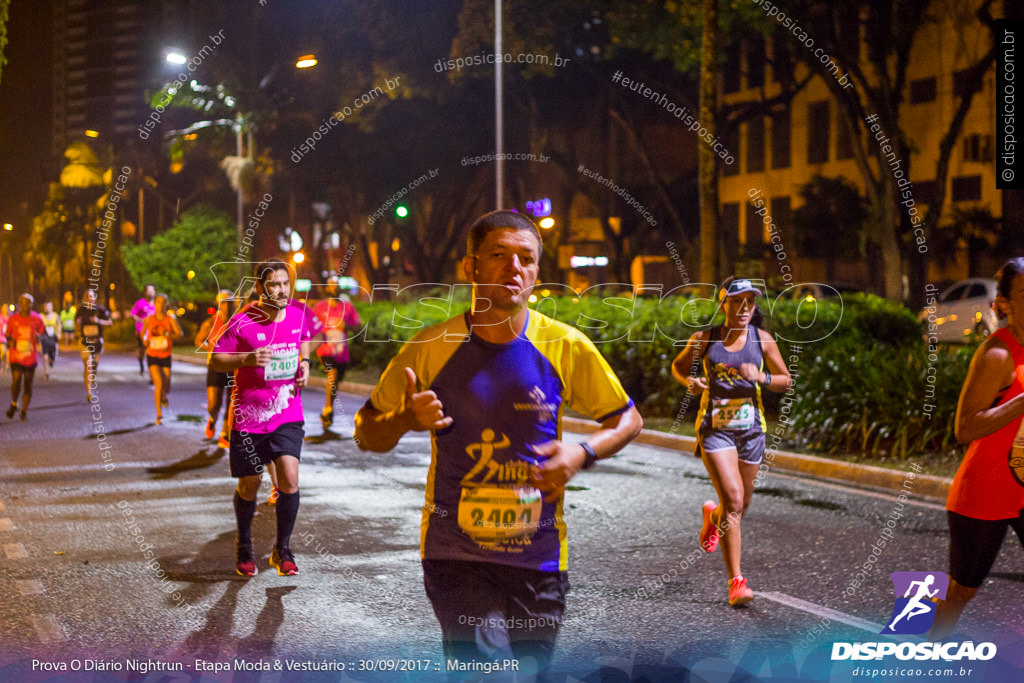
[(916, 606), (917, 595)]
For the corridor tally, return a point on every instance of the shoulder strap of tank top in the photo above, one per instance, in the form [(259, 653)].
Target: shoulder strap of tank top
[(1011, 342), (754, 337)]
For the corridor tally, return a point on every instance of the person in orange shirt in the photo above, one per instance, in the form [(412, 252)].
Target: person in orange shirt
[(23, 329), (217, 383), (159, 331)]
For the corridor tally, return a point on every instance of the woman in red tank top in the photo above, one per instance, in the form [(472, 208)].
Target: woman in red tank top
[(987, 494)]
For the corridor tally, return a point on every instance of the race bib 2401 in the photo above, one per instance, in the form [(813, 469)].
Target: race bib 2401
[(491, 514), (282, 365)]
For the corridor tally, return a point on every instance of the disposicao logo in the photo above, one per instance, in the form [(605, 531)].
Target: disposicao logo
[(916, 593), (914, 612)]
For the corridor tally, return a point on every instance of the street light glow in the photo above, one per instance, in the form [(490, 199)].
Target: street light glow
[(92, 134), (8, 227), (305, 61), (548, 222), (299, 257), (175, 57)]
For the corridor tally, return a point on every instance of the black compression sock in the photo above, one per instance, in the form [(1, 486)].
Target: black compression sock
[(287, 509), (245, 510)]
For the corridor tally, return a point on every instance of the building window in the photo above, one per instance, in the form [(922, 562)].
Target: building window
[(978, 148), (817, 132), (922, 90), (731, 220), (755, 145), (848, 32), (732, 143), (781, 124), (780, 212), (960, 83), (924, 192), (755, 61), (782, 57), (844, 148), (967, 188), (754, 245), (731, 71)]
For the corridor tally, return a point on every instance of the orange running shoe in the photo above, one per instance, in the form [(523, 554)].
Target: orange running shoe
[(284, 562), (739, 592)]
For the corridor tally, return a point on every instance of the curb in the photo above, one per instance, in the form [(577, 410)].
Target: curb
[(861, 476), (850, 474)]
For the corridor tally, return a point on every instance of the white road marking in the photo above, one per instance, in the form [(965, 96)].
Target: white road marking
[(818, 610), (29, 471), (48, 627), (15, 551), (30, 586)]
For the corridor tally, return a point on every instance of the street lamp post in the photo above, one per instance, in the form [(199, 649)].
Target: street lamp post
[(10, 264), (499, 113), (240, 125)]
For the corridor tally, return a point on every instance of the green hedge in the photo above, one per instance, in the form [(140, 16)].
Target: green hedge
[(860, 381)]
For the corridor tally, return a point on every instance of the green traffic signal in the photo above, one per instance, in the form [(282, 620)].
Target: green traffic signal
[(401, 211)]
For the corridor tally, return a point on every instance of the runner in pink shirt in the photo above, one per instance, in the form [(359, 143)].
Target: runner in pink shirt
[(23, 330), (3, 339), (337, 315), (267, 345), (142, 309)]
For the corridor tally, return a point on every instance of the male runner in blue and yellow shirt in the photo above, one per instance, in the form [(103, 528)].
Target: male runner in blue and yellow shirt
[(491, 386)]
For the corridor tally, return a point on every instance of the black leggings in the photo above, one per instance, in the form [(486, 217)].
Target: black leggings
[(20, 373), (974, 545)]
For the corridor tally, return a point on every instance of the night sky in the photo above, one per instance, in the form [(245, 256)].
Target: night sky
[(25, 112)]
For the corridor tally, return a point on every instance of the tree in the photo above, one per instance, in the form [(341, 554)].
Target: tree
[(577, 115), (200, 239), (708, 168), (974, 229), (63, 232), (695, 38), (52, 256), (5, 6), (831, 221), (890, 29)]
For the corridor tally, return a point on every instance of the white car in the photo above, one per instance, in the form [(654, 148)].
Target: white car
[(964, 309)]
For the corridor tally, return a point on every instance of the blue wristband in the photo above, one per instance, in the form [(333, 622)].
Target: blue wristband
[(591, 455)]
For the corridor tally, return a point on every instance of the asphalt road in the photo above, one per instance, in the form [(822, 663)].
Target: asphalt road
[(77, 587)]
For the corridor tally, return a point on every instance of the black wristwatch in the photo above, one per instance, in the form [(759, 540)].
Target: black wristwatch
[(591, 455)]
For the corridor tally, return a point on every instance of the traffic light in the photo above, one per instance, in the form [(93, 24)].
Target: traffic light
[(401, 211)]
